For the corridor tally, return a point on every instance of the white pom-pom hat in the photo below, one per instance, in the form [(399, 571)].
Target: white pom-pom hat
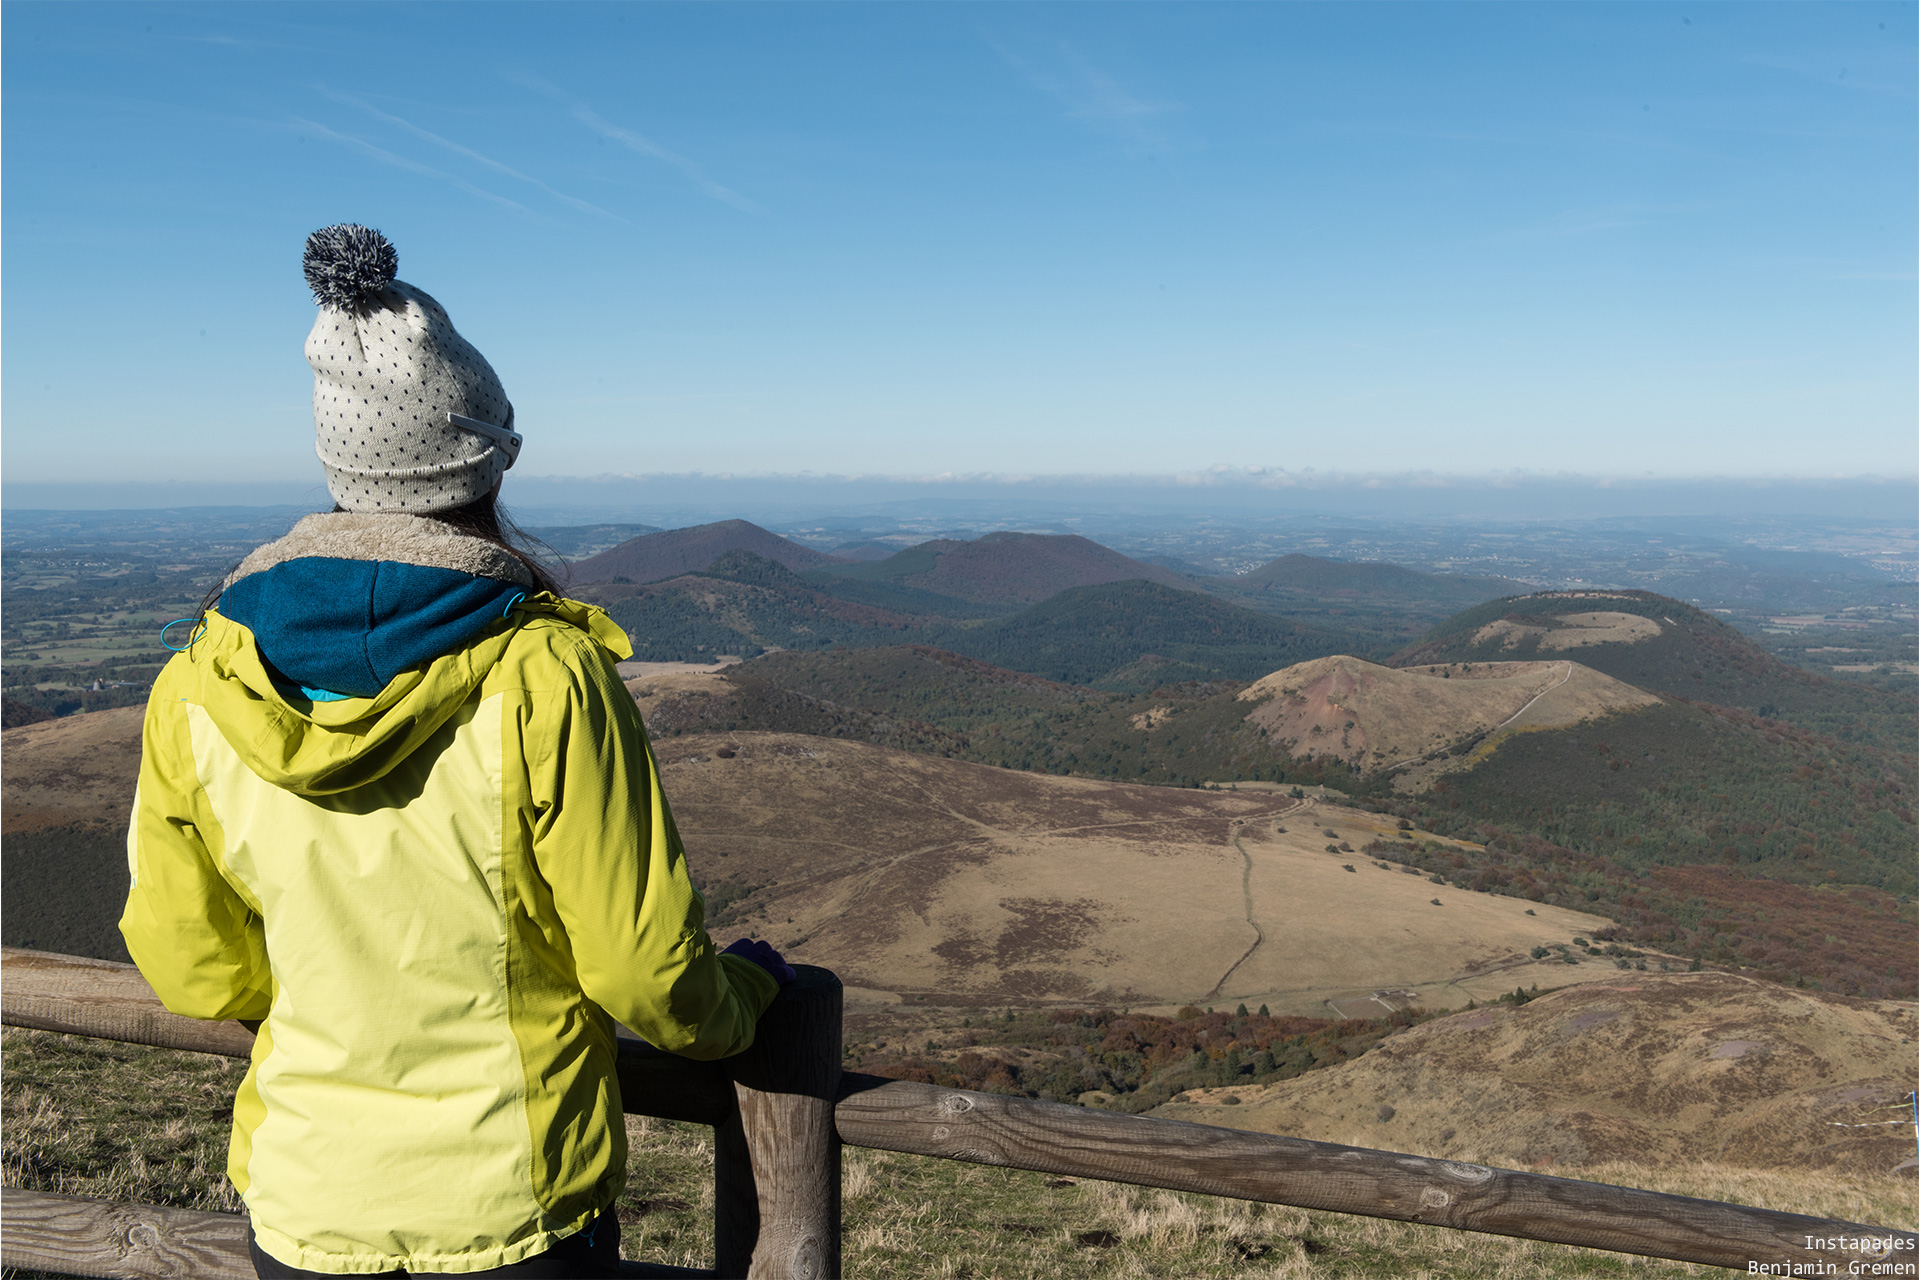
[(407, 416)]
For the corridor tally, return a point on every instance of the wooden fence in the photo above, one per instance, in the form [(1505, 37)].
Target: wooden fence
[(781, 1111)]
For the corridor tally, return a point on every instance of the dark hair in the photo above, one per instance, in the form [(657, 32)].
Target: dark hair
[(484, 519)]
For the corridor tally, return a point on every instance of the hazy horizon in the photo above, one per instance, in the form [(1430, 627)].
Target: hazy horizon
[(688, 498)]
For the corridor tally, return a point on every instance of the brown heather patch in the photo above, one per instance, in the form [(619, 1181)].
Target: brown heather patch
[(1376, 717)]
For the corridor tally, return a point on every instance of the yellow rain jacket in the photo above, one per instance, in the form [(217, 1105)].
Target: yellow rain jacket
[(437, 894)]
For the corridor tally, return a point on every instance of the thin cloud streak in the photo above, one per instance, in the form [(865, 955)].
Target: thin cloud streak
[(1094, 97), (1577, 223), (401, 162), (1097, 95), (470, 154), (645, 146)]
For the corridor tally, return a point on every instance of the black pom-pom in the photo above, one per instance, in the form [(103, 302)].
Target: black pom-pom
[(347, 265)]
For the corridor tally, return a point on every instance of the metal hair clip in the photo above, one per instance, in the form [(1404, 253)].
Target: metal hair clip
[(502, 436)]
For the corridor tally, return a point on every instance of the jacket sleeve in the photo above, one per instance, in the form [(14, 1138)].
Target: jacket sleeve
[(605, 843), (196, 940)]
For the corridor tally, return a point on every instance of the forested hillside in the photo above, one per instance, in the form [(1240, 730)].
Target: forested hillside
[(1007, 568), (742, 604), (1688, 654), (1139, 635), (1383, 606), (925, 699), (1119, 636), (655, 557), (1321, 579), (1849, 939), (1683, 783)]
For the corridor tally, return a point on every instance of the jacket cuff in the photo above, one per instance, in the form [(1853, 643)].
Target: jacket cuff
[(755, 985)]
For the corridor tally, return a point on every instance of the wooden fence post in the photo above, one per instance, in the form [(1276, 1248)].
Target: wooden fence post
[(776, 1159)]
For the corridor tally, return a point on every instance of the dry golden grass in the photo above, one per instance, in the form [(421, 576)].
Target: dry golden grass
[(960, 884), (644, 670), (648, 681), (117, 1121), (1577, 631), (908, 1216), (1661, 1068), (666, 1212)]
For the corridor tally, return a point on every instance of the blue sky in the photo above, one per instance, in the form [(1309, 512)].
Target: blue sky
[(1016, 239)]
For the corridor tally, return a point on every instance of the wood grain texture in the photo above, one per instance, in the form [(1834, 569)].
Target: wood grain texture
[(102, 998), (777, 1158), (77, 1236), (899, 1115)]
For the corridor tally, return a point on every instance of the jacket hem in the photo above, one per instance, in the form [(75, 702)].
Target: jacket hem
[(285, 1249)]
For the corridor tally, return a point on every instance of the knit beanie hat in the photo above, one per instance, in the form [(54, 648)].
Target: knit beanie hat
[(407, 416)]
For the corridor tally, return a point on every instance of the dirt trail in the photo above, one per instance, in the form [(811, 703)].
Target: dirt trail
[(1246, 895), (1566, 676), (1428, 757), (1246, 899)]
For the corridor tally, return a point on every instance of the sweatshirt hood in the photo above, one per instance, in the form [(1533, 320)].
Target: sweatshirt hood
[(347, 601), (336, 651)]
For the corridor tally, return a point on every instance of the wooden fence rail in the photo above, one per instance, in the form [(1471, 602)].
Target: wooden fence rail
[(781, 1111)]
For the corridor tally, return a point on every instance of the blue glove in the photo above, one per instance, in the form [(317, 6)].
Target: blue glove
[(763, 954)]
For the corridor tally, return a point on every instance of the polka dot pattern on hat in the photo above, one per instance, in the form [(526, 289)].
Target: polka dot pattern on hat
[(385, 375)]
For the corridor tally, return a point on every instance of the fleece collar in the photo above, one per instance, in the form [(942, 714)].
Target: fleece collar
[(347, 601), (386, 535)]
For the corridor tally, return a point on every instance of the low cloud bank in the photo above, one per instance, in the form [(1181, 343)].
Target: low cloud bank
[(1224, 492)]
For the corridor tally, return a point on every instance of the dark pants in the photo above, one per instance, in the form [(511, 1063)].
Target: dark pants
[(593, 1254)]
